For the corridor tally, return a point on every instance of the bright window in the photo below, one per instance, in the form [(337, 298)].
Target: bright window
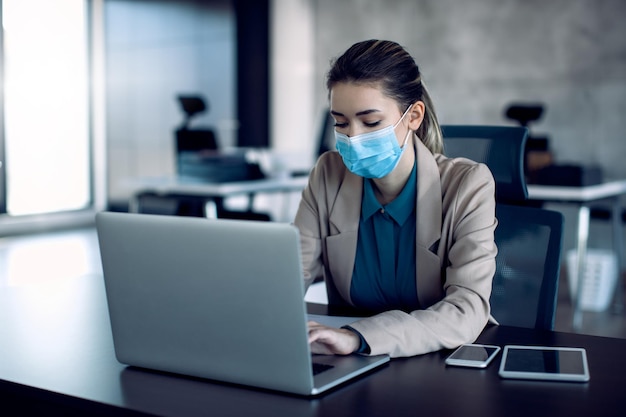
[(46, 120)]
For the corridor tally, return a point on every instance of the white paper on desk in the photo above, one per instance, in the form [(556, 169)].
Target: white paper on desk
[(333, 321)]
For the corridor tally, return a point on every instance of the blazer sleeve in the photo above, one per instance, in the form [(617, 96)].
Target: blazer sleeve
[(469, 263)]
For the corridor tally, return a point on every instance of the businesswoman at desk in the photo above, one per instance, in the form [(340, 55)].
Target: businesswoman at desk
[(392, 225)]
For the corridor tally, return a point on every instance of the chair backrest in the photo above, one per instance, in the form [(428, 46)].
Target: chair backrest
[(191, 143), (326, 135), (195, 140), (501, 148), (525, 284), (191, 147)]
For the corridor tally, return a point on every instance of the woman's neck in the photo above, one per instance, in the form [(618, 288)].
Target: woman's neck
[(389, 187)]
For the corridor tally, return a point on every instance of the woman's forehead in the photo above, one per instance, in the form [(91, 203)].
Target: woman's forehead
[(352, 98)]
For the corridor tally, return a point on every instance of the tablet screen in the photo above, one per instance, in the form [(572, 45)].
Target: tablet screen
[(532, 362)]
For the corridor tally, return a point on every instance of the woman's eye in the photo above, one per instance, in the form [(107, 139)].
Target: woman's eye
[(343, 125), (372, 124)]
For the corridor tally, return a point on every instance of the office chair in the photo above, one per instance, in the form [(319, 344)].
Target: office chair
[(524, 113), (529, 239), (525, 285), (537, 153), (501, 148), (197, 156), (326, 138), (191, 143)]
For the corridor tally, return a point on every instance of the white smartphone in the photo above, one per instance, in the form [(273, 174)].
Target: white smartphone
[(473, 355)]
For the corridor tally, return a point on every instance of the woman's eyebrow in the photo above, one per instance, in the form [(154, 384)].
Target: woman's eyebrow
[(361, 113)]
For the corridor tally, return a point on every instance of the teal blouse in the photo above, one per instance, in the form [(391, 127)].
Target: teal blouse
[(384, 269)]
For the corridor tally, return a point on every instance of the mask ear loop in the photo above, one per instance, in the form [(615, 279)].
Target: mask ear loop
[(406, 138), (403, 114)]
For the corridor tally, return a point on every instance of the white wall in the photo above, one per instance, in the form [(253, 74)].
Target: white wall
[(293, 126)]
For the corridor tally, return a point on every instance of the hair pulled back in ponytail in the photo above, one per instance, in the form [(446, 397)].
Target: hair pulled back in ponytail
[(389, 65)]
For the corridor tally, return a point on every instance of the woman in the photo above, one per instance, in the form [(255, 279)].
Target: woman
[(391, 224)]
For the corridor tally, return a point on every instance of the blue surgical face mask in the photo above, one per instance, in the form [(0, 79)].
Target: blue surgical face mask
[(372, 154)]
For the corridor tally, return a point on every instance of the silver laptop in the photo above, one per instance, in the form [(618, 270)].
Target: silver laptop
[(217, 299)]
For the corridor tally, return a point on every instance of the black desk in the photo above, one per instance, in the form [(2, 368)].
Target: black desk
[(56, 354)]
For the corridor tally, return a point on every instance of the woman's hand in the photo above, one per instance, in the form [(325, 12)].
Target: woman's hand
[(332, 341)]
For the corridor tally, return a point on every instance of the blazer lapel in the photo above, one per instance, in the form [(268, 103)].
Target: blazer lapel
[(341, 242), (429, 209)]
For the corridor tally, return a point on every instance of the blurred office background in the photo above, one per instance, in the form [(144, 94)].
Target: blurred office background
[(477, 57), (261, 67), (94, 106)]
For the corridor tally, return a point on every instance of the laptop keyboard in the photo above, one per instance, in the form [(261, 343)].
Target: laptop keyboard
[(320, 367)]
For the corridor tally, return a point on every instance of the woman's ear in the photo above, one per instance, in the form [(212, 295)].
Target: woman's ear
[(416, 115)]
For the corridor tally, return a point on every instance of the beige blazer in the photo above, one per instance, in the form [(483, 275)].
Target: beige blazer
[(455, 250)]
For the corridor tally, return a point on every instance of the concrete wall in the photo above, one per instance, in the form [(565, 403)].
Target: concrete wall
[(478, 56)]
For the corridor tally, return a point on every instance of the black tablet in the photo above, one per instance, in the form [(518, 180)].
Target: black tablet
[(544, 363)]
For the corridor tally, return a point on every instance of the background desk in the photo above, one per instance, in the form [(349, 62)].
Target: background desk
[(190, 187), (583, 198), (56, 354)]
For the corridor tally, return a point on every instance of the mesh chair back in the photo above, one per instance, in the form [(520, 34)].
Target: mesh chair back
[(501, 148), (525, 285)]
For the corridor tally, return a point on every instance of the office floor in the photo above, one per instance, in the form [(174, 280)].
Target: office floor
[(610, 322), (57, 257)]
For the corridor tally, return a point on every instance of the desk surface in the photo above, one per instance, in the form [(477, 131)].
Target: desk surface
[(577, 194), (194, 186), (197, 187), (56, 350)]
